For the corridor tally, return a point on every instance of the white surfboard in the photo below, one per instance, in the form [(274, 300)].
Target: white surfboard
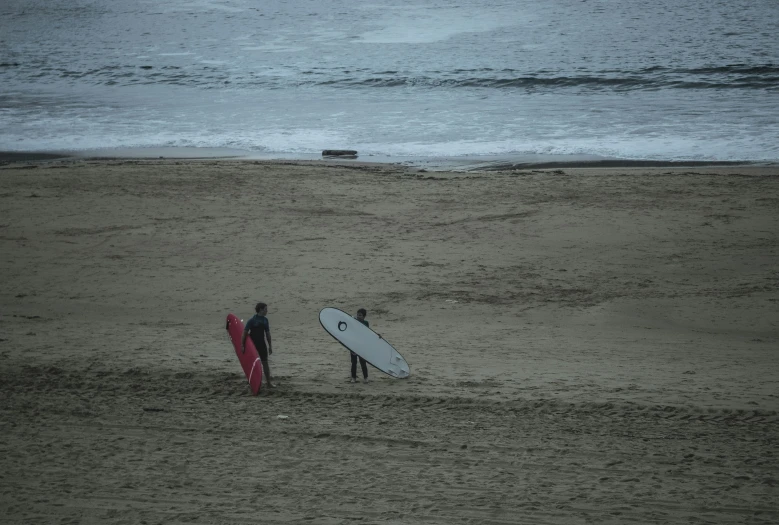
[(364, 342)]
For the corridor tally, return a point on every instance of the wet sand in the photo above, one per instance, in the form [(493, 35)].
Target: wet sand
[(587, 345)]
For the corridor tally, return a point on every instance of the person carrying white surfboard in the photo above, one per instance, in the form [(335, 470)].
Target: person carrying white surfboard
[(258, 328), (361, 313), (355, 336)]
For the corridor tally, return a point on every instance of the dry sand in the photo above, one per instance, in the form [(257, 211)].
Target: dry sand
[(587, 345)]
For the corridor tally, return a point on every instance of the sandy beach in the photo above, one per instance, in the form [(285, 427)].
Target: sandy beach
[(587, 345)]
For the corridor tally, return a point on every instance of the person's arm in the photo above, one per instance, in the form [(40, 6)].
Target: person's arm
[(377, 333), (243, 341), (267, 336)]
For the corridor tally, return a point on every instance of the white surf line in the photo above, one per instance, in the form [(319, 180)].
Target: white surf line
[(254, 365)]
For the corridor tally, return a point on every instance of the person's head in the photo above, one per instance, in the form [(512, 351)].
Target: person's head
[(361, 313), (261, 308)]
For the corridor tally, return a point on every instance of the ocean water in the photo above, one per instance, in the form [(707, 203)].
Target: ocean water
[(630, 79)]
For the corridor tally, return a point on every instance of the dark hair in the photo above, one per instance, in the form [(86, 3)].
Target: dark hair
[(362, 311), (259, 307)]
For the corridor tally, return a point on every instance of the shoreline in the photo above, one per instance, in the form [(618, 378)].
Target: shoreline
[(462, 163)]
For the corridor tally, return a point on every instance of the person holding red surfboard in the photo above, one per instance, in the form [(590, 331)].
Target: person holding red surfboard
[(258, 328)]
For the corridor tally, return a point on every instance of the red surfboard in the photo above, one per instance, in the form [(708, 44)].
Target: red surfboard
[(250, 360)]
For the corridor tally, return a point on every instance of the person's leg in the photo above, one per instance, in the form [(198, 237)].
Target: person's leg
[(262, 351), (364, 366), (266, 371), (354, 366)]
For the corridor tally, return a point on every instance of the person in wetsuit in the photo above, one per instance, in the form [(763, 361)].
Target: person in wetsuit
[(361, 313), (258, 328)]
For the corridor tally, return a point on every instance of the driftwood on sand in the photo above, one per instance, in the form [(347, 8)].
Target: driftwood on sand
[(339, 153)]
